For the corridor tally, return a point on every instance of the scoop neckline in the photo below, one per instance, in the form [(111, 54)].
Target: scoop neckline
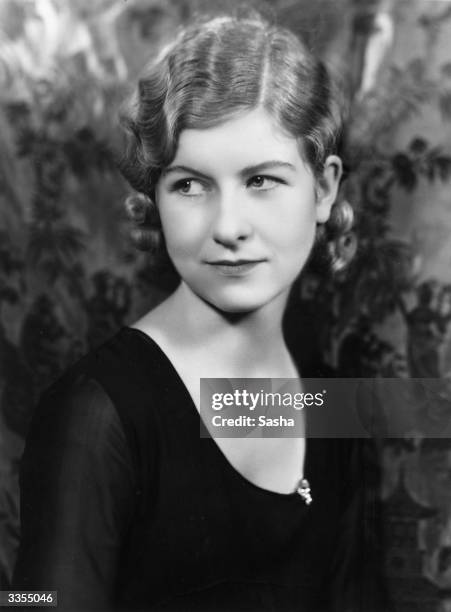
[(216, 448)]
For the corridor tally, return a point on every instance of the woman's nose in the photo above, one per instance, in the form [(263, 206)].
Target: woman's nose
[(231, 224)]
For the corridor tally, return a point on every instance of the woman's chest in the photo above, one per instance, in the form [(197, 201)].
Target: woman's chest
[(274, 464), (207, 524)]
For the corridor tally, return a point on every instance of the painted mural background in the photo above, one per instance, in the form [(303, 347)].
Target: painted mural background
[(69, 278)]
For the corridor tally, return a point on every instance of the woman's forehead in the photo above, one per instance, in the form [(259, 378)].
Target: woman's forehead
[(247, 140)]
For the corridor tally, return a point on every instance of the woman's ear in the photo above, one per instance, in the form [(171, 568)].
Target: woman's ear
[(327, 187)]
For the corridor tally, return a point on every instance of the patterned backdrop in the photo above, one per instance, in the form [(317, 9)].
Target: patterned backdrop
[(69, 278)]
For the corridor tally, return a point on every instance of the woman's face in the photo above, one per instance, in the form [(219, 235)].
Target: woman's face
[(239, 208)]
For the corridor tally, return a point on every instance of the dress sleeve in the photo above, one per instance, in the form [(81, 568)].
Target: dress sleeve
[(77, 486), (358, 582)]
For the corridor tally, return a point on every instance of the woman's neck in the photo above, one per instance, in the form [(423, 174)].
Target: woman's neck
[(248, 344)]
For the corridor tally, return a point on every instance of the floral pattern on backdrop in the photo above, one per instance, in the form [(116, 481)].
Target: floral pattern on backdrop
[(69, 278)]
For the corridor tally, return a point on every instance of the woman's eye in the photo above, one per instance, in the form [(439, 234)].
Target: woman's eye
[(189, 187), (263, 183)]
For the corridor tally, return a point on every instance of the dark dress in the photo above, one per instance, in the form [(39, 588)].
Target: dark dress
[(124, 506)]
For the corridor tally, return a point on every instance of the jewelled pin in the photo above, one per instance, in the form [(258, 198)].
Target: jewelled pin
[(304, 491)]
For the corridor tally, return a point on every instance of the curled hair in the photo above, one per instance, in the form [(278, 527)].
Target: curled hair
[(212, 72), (146, 232), (335, 242)]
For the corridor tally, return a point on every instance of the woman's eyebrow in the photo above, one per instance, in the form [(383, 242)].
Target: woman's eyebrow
[(185, 169), (266, 165), (248, 170)]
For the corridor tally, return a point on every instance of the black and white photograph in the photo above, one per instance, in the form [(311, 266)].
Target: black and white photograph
[(225, 305)]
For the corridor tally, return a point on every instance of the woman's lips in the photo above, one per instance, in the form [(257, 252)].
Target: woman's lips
[(237, 268)]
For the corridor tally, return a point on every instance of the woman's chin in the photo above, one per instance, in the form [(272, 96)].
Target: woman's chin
[(239, 304)]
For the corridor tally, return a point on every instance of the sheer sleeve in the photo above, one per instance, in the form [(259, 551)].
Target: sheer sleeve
[(77, 496)]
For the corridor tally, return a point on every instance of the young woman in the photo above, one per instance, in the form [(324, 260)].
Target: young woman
[(233, 152)]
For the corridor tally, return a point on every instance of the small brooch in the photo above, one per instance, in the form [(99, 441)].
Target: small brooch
[(304, 491)]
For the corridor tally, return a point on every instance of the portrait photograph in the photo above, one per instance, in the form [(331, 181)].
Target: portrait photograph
[(225, 305)]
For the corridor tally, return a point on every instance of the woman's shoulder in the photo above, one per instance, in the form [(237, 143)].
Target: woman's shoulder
[(77, 411), (112, 362), (105, 398), (75, 418), (112, 382), (120, 371)]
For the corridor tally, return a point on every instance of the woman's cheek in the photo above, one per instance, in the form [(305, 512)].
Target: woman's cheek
[(182, 242), (185, 233)]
